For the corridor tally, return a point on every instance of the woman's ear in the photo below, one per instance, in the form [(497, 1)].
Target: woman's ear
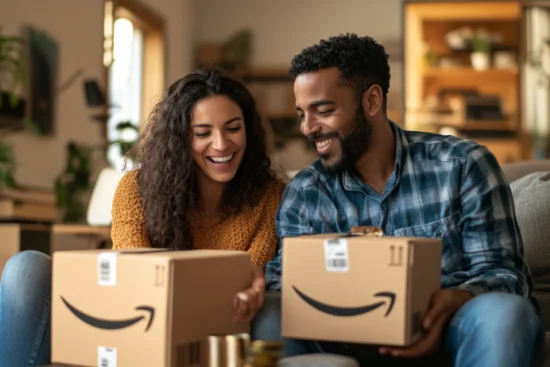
[(372, 100)]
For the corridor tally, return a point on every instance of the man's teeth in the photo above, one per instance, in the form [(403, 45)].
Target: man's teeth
[(222, 159), (324, 143)]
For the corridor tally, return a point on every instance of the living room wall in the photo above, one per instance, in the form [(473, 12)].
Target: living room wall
[(282, 28), (77, 26)]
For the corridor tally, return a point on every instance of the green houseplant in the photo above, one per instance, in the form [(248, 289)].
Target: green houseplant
[(72, 185), (124, 143), (12, 107), (480, 57), (12, 74)]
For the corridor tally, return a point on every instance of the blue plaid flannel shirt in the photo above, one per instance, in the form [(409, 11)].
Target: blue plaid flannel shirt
[(442, 187)]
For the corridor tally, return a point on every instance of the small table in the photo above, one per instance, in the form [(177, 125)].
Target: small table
[(17, 237)]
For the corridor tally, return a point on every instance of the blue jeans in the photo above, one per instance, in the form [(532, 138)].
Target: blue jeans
[(25, 304), (493, 329)]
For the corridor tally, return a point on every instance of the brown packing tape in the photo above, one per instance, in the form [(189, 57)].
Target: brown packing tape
[(358, 231), (369, 231)]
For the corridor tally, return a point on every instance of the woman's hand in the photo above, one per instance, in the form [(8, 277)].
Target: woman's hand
[(249, 301)]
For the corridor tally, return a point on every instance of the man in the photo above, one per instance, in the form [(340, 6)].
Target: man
[(371, 172)]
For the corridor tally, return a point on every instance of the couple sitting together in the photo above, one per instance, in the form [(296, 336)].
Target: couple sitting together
[(205, 182)]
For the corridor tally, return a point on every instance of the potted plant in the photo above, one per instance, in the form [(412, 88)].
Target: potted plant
[(480, 57), (72, 185), (12, 76), (125, 143)]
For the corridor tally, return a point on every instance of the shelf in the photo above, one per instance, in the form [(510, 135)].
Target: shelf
[(469, 73), (478, 125), (265, 74), (290, 115), (471, 11)]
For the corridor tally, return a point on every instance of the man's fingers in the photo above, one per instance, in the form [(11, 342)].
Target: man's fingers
[(248, 303), (427, 345), (241, 310), (432, 314), (251, 299), (258, 284), (439, 305)]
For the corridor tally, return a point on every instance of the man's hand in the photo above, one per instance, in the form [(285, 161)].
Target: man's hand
[(443, 306), (249, 301)]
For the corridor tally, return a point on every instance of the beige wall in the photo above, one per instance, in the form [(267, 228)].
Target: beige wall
[(282, 28), (77, 27)]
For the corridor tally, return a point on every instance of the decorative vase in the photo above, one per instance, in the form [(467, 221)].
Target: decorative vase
[(480, 61)]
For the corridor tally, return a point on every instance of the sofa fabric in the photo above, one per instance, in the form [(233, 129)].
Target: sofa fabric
[(530, 185), (514, 171), (532, 201)]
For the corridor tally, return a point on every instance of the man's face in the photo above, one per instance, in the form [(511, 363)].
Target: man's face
[(332, 117)]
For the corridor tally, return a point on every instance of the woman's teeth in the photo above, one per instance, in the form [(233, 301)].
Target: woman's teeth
[(221, 159), (324, 143)]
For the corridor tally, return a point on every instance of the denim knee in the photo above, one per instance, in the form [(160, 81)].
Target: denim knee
[(27, 273), (496, 329), (501, 317), (504, 311), (267, 323)]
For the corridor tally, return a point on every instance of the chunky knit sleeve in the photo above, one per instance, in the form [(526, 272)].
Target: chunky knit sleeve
[(264, 243), (128, 227)]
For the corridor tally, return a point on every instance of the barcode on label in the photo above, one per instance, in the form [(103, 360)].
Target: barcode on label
[(106, 271), (188, 355), (337, 263), (106, 357), (336, 255)]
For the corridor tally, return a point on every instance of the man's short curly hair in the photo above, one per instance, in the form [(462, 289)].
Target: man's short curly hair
[(361, 61)]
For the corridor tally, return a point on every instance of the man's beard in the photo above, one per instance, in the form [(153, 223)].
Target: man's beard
[(352, 146)]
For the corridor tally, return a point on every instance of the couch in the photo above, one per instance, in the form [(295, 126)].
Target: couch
[(530, 185)]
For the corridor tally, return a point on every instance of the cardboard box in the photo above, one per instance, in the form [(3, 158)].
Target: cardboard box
[(143, 307), (358, 289)]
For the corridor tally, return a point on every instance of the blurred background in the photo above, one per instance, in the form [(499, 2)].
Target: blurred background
[(78, 78)]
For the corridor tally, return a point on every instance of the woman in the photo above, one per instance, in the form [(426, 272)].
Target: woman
[(204, 182)]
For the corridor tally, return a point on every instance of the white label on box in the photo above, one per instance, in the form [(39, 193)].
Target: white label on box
[(106, 269), (336, 254), (106, 357)]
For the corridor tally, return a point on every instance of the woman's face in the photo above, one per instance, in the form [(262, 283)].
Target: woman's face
[(219, 137)]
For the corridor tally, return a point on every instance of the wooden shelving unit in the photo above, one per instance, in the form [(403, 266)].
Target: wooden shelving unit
[(468, 74), (438, 88)]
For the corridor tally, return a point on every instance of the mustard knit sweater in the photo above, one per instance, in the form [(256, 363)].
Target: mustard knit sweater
[(252, 229)]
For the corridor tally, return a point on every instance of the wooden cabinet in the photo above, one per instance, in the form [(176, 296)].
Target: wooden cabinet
[(505, 150), (446, 86)]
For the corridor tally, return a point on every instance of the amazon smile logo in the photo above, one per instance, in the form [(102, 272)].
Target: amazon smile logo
[(111, 324), (348, 311)]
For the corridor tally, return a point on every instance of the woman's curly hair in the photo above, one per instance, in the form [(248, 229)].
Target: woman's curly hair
[(167, 174)]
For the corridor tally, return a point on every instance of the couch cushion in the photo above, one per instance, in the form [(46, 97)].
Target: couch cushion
[(532, 201), (516, 170)]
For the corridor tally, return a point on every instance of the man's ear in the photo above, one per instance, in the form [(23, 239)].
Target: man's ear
[(372, 100)]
